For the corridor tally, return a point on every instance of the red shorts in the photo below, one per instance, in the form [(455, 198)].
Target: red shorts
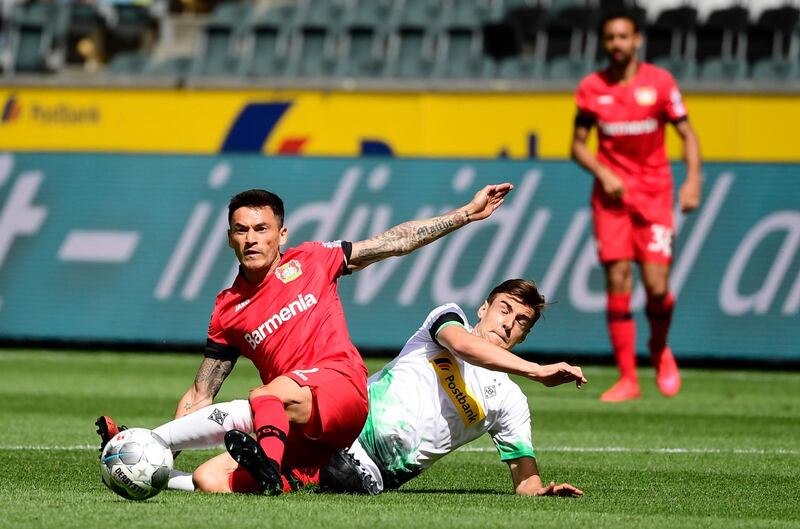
[(638, 230), (339, 410)]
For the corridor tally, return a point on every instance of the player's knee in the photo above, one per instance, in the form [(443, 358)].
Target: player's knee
[(619, 277), (266, 391), (656, 288), (204, 479), (657, 293)]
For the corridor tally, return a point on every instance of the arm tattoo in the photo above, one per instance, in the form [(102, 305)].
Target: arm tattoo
[(407, 237), (212, 374)]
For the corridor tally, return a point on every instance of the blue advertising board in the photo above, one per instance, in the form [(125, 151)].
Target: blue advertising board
[(133, 248)]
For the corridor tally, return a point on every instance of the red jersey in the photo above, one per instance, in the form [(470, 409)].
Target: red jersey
[(292, 320), (630, 119)]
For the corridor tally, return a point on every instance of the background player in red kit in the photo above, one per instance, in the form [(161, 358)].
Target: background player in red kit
[(283, 312), (632, 206)]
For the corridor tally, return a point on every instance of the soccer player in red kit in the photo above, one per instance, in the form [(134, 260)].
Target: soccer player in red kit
[(630, 102), (283, 312)]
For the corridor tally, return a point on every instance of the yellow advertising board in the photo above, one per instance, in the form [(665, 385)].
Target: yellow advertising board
[(320, 123)]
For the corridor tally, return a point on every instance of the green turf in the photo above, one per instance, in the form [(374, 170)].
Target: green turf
[(737, 463)]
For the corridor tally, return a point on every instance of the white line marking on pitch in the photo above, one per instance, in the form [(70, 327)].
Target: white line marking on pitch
[(578, 449), (625, 449)]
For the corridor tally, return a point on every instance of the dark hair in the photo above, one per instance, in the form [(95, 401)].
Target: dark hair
[(257, 198), (614, 14), (524, 291)]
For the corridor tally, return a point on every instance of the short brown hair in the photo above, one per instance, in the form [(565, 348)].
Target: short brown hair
[(524, 291)]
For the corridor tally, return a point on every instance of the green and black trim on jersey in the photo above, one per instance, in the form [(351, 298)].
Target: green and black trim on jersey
[(445, 320)]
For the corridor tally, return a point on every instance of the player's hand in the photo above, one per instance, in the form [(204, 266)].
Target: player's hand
[(487, 200), (564, 489), (689, 195), (613, 186), (561, 373)]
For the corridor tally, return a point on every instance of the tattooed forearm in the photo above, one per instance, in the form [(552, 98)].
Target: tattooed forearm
[(407, 237), (211, 375)]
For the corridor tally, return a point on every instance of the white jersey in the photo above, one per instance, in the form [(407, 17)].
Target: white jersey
[(427, 402)]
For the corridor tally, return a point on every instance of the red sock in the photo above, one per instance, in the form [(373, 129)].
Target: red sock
[(659, 314), (622, 331), (271, 425)]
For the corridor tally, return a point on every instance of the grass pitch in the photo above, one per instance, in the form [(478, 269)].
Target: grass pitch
[(724, 453)]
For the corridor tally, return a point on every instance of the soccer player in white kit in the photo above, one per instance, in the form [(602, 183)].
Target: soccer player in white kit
[(448, 386)]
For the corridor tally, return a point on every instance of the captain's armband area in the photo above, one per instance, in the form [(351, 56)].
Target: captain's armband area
[(585, 121), (220, 351), (445, 320)]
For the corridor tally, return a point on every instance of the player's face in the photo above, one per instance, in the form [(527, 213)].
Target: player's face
[(621, 41), (505, 321), (256, 237)]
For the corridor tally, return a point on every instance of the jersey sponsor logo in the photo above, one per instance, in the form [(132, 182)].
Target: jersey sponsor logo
[(289, 271), (661, 241), (303, 303), (645, 96), (240, 306), (301, 373), (468, 407), (629, 128), (605, 99)]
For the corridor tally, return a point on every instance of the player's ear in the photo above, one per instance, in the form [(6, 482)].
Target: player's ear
[(284, 236), (230, 239), (482, 310)]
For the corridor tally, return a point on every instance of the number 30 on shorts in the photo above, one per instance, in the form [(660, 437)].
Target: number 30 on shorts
[(661, 241)]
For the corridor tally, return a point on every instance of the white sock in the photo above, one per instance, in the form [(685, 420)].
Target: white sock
[(206, 427), (180, 480)]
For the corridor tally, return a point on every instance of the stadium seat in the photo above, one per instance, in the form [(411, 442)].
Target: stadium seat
[(528, 26), (217, 51), (362, 54), (266, 42), (364, 13), (179, 66), (312, 52), (421, 13), (132, 27), (459, 54), (522, 67), (671, 36), (772, 43), (132, 63), (718, 69), (681, 69), (721, 44), (320, 13), (472, 13), (571, 42), (82, 21), (409, 53), (32, 39)]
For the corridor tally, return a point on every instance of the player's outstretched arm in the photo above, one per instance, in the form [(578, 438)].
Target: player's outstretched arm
[(210, 376), (408, 236), (527, 482), (482, 353)]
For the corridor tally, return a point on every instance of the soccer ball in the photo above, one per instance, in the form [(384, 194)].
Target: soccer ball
[(136, 464)]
